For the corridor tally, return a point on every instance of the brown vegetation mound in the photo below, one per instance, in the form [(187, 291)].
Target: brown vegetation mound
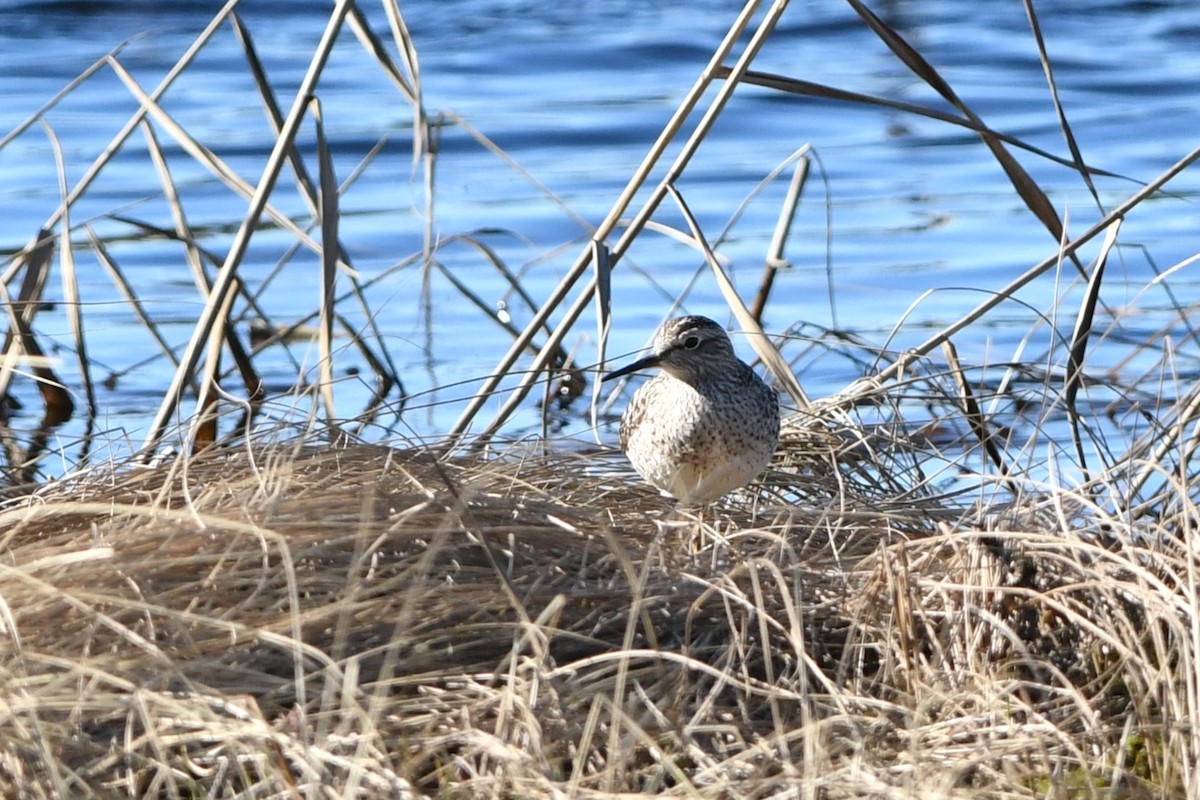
[(390, 623)]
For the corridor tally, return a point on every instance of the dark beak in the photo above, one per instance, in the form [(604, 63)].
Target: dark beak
[(641, 363)]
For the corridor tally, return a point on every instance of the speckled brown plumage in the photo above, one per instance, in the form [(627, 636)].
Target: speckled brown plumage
[(706, 424)]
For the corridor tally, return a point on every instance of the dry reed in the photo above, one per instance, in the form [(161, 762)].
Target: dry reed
[(355, 620), (900, 610)]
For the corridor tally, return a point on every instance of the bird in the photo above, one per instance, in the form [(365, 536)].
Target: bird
[(706, 424)]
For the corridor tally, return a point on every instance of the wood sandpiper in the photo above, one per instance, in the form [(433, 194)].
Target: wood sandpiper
[(706, 424)]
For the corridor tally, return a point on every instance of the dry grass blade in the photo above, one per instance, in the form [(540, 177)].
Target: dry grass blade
[(303, 181), (1068, 134), (767, 351), (603, 266), (408, 54), (1035, 199), (204, 431), (70, 287), (35, 259), (976, 419), (329, 262), (1162, 446), (385, 378), (132, 123), (183, 231), (218, 167), (1077, 353), (128, 292), (75, 83), (809, 89), (375, 46)]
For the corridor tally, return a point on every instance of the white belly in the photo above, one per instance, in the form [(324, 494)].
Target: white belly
[(695, 450)]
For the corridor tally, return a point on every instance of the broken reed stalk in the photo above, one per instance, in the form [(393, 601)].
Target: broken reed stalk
[(776, 258)]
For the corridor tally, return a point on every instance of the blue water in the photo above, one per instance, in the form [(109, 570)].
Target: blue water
[(575, 94)]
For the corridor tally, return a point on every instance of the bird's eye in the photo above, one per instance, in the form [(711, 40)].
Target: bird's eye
[(691, 343)]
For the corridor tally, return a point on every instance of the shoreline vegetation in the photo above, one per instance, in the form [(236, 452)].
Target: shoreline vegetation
[(915, 602)]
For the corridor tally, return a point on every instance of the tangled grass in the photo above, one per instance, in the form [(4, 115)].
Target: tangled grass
[(901, 609), (359, 621)]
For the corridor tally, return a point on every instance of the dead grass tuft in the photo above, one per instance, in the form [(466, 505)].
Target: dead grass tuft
[(386, 622), (955, 582)]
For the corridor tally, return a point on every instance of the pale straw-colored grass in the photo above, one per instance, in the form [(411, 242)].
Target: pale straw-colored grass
[(401, 622), (913, 603)]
